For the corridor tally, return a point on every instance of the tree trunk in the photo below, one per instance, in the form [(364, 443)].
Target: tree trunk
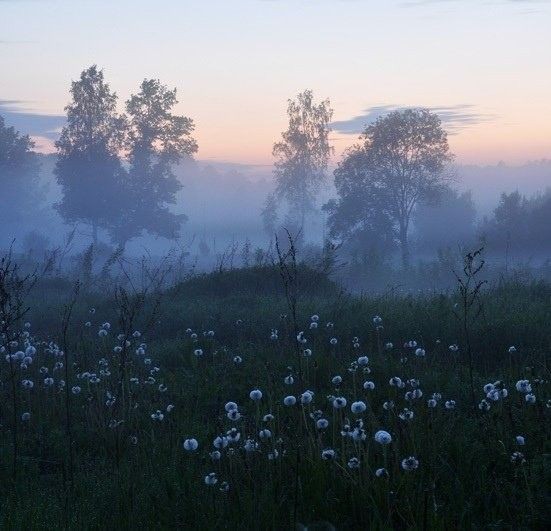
[(95, 235), (404, 245)]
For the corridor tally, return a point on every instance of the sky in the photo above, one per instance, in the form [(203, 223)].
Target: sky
[(483, 65)]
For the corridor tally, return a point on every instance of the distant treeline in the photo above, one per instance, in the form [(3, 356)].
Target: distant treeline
[(395, 190)]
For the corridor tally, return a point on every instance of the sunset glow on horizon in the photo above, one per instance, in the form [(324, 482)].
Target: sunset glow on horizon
[(482, 65)]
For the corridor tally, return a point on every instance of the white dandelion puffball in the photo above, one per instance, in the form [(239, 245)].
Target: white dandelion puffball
[(410, 463), (255, 394), (290, 400), (191, 445), (383, 437), (358, 407)]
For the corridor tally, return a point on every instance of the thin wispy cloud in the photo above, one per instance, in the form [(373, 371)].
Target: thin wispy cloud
[(455, 118), (29, 122)]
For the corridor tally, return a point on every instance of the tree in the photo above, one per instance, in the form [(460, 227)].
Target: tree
[(88, 167), (302, 154), (401, 162), (356, 217), (157, 139), (19, 177)]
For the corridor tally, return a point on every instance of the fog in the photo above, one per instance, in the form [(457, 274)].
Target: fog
[(130, 184)]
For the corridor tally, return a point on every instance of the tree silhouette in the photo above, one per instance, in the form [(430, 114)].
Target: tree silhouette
[(157, 139), (302, 155), (401, 162), (88, 167), (19, 176)]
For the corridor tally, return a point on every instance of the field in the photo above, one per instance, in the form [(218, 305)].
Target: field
[(268, 398)]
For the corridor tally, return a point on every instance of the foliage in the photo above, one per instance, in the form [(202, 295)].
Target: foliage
[(401, 162), (301, 156), (129, 466)]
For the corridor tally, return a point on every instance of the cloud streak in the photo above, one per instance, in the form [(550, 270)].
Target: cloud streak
[(31, 123), (455, 118)]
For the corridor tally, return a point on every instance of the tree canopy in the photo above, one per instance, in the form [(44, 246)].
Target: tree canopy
[(401, 161)]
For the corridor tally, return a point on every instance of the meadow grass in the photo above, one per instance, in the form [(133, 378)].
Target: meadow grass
[(104, 459)]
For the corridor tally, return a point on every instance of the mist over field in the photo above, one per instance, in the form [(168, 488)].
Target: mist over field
[(275, 265)]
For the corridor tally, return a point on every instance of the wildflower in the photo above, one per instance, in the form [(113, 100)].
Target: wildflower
[(329, 325), (26, 416), (519, 439), (255, 394), (191, 445), (274, 454), (489, 387), (315, 318), (265, 434), (169, 408), (484, 405), (395, 381), (117, 349), (377, 320), (328, 454), (211, 479), (388, 405), (453, 348), (301, 339), (102, 332), (250, 445), (306, 397), (517, 458), (233, 415), (450, 404), (220, 442), (389, 346), (158, 415), (336, 380), (289, 400), (383, 437), (215, 456), (523, 386), (237, 360), (406, 414), (43, 370), (432, 403), (339, 402), (410, 463), (268, 417), (75, 390), (322, 424), (274, 335), (333, 341), (369, 386), (381, 473), (420, 352), (307, 352), (198, 352), (353, 463), (530, 398), (288, 380), (358, 407), (512, 349), (224, 486), (313, 325), (230, 406), (162, 388), (363, 361), (193, 336), (27, 384), (233, 435), (134, 439)]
